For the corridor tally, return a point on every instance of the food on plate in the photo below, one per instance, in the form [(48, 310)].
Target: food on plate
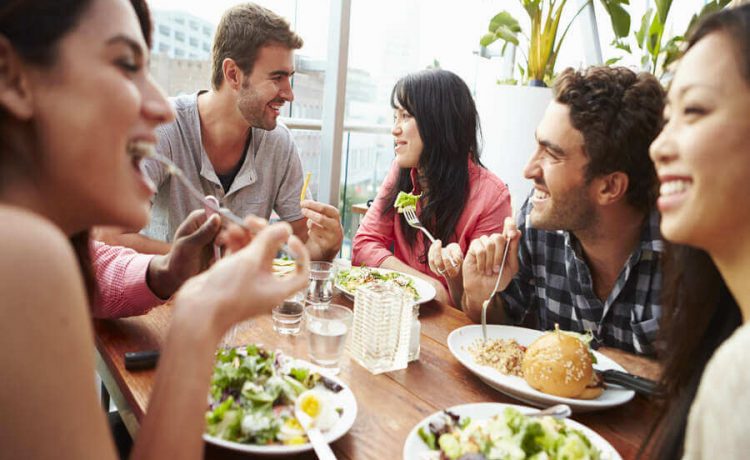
[(507, 435), (283, 267), (314, 408), (504, 355), (254, 393), (351, 279), (559, 363), (405, 200)]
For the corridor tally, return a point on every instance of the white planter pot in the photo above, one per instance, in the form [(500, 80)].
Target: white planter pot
[(509, 117)]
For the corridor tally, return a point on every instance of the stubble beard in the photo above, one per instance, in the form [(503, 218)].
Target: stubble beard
[(571, 211), (253, 109)]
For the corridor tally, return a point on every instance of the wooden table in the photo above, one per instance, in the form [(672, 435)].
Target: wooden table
[(389, 404)]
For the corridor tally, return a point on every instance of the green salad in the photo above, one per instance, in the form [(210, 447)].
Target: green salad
[(350, 280), (405, 200), (253, 395), (506, 436)]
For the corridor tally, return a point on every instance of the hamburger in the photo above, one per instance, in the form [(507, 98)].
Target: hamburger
[(561, 364)]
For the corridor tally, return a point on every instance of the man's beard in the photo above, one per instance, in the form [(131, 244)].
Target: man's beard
[(571, 211), (253, 109)]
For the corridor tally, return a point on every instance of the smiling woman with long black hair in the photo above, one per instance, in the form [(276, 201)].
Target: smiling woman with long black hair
[(702, 157), (436, 133)]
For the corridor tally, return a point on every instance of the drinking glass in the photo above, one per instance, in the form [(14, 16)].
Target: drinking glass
[(320, 288), (327, 329), (287, 316)]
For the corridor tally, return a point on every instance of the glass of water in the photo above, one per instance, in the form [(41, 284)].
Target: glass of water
[(320, 289), (287, 316), (326, 334)]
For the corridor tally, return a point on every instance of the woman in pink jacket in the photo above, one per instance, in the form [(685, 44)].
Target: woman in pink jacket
[(436, 131)]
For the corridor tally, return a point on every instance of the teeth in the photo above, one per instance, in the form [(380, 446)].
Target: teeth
[(141, 149), (540, 195), (673, 187)]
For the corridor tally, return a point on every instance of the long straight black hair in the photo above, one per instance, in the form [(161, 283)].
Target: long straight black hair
[(699, 311), (448, 124)]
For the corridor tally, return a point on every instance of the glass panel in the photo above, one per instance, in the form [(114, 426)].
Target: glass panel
[(367, 159)]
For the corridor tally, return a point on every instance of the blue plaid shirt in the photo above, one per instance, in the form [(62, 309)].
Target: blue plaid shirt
[(555, 284)]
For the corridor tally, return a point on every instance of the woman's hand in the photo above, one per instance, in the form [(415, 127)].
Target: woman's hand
[(445, 261), (243, 284)]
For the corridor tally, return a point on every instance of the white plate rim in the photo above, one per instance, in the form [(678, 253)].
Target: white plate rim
[(346, 400), (516, 387), (414, 444), (425, 290)]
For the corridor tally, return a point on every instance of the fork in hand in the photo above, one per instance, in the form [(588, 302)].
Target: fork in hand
[(492, 294), (410, 213)]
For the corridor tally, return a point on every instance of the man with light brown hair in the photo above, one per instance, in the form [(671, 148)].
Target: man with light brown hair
[(229, 144)]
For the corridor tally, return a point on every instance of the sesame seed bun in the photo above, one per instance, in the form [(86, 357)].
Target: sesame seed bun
[(558, 364)]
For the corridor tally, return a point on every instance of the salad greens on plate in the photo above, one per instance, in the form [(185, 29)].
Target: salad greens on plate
[(507, 435), (351, 279), (253, 395)]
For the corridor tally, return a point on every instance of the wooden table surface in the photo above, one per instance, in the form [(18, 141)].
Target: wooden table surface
[(389, 404)]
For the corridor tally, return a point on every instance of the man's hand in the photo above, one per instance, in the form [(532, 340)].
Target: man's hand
[(324, 230), (190, 254), (482, 264)]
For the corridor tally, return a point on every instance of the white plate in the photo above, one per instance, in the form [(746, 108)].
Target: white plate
[(343, 399), (414, 447), (424, 289), (516, 387)]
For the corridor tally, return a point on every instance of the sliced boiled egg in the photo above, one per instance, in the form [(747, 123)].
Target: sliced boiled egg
[(291, 432), (315, 409)]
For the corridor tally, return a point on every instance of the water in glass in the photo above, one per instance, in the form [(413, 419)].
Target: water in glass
[(287, 317), (320, 289), (326, 334)]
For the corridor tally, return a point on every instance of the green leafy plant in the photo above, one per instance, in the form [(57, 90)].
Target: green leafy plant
[(543, 42), (658, 51)]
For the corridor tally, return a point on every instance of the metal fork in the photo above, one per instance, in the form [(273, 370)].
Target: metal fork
[(410, 213), (494, 290)]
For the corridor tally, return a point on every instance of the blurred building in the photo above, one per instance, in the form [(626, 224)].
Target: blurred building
[(181, 35)]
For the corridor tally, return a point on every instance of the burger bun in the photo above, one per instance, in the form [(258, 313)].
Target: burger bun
[(558, 364)]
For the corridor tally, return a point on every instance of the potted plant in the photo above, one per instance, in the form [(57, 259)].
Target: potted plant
[(543, 42), (658, 51)]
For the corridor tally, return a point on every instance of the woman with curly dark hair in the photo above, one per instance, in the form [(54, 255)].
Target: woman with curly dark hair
[(435, 130), (703, 161)]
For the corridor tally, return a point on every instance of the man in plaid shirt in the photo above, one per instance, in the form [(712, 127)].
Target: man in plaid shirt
[(584, 251)]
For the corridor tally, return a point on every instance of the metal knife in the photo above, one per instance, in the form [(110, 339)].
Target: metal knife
[(640, 385)]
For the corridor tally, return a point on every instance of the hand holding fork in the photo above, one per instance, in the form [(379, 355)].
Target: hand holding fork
[(490, 264), (437, 254)]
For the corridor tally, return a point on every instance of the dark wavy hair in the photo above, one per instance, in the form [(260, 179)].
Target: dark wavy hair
[(619, 114), (448, 124), (699, 311), (35, 28)]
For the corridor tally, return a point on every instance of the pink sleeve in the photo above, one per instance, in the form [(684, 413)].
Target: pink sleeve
[(374, 238), (121, 282), (497, 208)]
